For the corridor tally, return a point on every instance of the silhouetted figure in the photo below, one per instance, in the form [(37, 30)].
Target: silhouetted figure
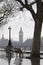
[(18, 50)]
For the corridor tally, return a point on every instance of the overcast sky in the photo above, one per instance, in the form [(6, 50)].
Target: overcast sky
[(24, 20)]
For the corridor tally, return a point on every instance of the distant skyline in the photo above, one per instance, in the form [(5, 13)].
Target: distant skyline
[(24, 20)]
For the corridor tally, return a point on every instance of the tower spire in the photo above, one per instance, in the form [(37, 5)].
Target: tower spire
[(21, 36)]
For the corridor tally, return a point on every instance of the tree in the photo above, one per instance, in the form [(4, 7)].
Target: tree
[(38, 18), (6, 10)]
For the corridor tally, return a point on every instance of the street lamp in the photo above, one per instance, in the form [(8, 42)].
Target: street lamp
[(9, 44)]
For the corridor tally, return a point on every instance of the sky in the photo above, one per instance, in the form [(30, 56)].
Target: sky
[(22, 19)]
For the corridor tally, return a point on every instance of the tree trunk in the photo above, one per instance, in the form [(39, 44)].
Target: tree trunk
[(36, 39), (35, 61)]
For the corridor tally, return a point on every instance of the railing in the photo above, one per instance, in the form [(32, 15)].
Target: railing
[(23, 47)]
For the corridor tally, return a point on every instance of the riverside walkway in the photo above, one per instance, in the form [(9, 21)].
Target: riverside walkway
[(19, 50)]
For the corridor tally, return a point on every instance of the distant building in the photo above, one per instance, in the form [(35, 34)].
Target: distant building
[(27, 43), (20, 36), (3, 41)]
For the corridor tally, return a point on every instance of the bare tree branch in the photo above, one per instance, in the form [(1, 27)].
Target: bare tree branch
[(26, 2), (29, 7), (5, 11), (21, 3), (32, 3), (38, 6), (33, 14), (1, 18)]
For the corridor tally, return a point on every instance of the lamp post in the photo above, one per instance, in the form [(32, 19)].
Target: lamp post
[(9, 53), (9, 43)]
